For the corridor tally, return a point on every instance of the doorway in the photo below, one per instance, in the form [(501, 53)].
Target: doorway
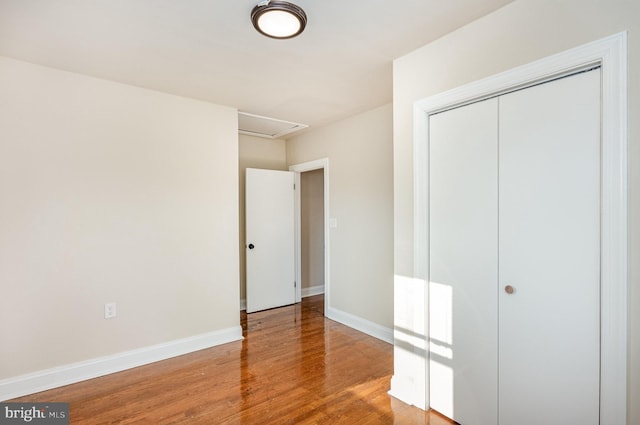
[(312, 245), (312, 232)]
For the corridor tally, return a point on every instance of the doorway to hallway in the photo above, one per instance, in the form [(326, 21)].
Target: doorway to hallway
[(312, 232), (315, 184)]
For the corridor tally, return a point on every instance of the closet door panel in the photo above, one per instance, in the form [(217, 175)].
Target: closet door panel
[(549, 247), (463, 203)]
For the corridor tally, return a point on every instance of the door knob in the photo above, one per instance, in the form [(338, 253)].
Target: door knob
[(251, 246), (509, 289)]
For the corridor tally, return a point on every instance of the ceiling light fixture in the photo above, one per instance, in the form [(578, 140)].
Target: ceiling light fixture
[(278, 19)]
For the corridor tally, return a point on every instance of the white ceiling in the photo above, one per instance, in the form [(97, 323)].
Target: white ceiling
[(207, 49)]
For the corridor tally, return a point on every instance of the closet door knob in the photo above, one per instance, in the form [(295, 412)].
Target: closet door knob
[(509, 289)]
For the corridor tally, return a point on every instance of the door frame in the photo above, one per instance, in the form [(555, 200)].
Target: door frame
[(610, 54), (318, 164)]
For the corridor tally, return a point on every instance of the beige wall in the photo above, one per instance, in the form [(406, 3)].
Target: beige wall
[(312, 227), (521, 32), (361, 200), (111, 193), (255, 152)]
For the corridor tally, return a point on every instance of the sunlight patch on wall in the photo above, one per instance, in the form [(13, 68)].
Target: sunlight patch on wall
[(410, 342), (441, 375)]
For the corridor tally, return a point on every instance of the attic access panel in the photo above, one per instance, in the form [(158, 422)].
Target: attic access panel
[(271, 128)]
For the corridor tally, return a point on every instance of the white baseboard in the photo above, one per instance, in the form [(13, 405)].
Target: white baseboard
[(76, 372), (306, 292), (360, 324), (310, 291)]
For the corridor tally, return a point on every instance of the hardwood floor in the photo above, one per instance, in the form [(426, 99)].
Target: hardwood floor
[(293, 367)]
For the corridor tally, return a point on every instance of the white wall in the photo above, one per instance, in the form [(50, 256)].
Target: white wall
[(111, 193), (361, 200), (519, 33), (255, 152)]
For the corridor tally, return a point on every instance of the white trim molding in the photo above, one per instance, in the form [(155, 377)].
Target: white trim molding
[(312, 290), (610, 54), (363, 325), (89, 369)]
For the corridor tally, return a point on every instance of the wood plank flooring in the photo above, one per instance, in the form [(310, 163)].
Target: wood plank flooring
[(293, 367)]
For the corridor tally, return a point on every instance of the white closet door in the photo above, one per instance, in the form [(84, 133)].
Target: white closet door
[(549, 248), (463, 264)]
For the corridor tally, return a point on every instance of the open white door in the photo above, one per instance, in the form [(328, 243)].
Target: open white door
[(269, 239)]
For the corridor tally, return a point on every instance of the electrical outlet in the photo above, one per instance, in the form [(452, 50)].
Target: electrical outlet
[(109, 310)]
